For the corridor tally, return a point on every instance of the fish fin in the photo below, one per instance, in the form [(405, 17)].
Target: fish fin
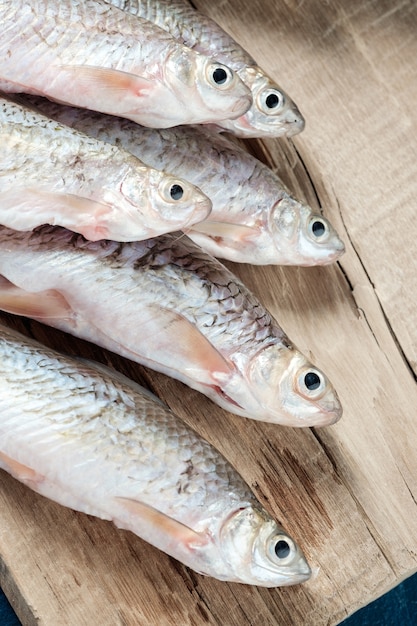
[(47, 304), (107, 81), (177, 531), (160, 325), (29, 208), (225, 230), (22, 472), (83, 215)]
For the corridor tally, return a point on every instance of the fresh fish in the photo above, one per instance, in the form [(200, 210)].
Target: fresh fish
[(273, 113), (93, 55), (93, 440), (166, 304), (52, 174), (254, 217)]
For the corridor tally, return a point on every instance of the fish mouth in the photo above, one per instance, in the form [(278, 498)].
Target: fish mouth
[(340, 250), (295, 126), (331, 411), (224, 397)]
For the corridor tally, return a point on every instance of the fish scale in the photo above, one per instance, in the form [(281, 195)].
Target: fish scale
[(182, 20), (254, 217), (51, 173), (272, 114), (91, 54), (111, 449), (168, 305)]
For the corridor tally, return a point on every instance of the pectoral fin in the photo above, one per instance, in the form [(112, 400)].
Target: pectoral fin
[(169, 339), (47, 304), (164, 525), (106, 82), (27, 208), (225, 230), (25, 474)]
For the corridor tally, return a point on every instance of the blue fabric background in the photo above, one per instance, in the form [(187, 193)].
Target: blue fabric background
[(396, 608)]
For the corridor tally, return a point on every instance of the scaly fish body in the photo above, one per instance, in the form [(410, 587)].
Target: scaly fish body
[(92, 440), (52, 174), (254, 218), (273, 113), (167, 304), (93, 55)]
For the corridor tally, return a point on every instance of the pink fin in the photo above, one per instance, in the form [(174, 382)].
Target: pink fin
[(225, 230), (47, 304), (108, 82), (82, 215), (29, 208), (25, 474), (176, 531), (170, 339)]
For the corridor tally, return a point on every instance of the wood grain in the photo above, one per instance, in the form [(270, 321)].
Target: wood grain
[(347, 492)]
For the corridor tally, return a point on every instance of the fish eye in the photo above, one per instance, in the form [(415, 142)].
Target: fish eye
[(312, 381), (318, 229), (219, 76), (172, 190), (280, 548), (311, 384), (271, 101), (176, 192)]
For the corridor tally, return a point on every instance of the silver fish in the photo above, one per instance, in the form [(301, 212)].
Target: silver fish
[(168, 305), (254, 218), (93, 55), (93, 440), (273, 113), (52, 174)]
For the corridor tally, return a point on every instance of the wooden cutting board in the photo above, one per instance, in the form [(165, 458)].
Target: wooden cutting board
[(347, 492)]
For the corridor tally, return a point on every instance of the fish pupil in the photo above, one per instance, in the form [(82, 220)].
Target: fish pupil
[(176, 192), (282, 549), (219, 76), (318, 228), (272, 100), (312, 381)]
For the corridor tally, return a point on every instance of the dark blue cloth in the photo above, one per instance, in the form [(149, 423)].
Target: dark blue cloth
[(396, 608), (7, 615)]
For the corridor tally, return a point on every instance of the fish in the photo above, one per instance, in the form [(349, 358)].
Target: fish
[(254, 218), (93, 55), (272, 113), (53, 174), (167, 304), (90, 439)]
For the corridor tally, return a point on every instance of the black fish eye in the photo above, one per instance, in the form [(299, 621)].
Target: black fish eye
[(176, 192), (282, 549), (318, 228), (312, 381), (272, 100), (220, 76)]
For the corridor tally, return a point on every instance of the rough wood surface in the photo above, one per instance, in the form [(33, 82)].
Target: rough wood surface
[(347, 492)]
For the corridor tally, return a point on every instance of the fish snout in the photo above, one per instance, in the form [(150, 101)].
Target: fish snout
[(294, 122), (331, 409)]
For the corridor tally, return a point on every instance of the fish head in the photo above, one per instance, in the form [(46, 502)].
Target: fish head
[(272, 113), (259, 552), (300, 236), (290, 390), (166, 202), (209, 90)]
